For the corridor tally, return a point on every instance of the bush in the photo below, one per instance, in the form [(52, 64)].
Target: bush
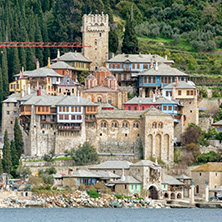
[(191, 135), (49, 157), (82, 187), (51, 170), (194, 149), (36, 182), (118, 196), (48, 179), (85, 154), (210, 157), (93, 194)]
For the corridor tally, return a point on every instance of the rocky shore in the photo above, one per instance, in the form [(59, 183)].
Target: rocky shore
[(78, 199)]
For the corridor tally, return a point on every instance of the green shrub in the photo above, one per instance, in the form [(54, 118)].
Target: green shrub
[(118, 196), (210, 157), (93, 194), (85, 154), (82, 187)]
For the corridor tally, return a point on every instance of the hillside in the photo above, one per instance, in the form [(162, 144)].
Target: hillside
[(188, 31)]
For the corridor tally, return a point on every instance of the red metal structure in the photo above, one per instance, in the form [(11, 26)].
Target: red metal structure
[(42, 44)]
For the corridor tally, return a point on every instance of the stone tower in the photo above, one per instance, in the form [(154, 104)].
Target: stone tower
[(95, 33)]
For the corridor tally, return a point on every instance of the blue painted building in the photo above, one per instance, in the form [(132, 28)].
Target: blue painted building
[(157, 77), (126, 67)]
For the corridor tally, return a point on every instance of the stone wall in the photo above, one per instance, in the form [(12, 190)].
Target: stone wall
[(205, 123), (212, 105)]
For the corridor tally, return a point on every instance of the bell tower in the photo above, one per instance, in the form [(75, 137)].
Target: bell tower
[(95, 33)]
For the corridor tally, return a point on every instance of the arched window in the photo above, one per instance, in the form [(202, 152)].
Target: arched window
[(99, 99), (154, 125), (160, 125), (114, 124), (135, 125), (125, 124), (197, 189), (103, 124)]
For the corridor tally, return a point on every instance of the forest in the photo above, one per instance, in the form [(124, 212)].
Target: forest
[(188, 31)]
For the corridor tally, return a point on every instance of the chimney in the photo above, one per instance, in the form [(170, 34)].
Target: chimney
[(37, 65), (177, 81), (29, 90), (154, 98), (166, 57), (156, 66), (70, 171), (49, 63), (173, 93), (58, 55), (123, 178), (151, 63), (39, 92), (78, 96), (23, 91), (20, 75)]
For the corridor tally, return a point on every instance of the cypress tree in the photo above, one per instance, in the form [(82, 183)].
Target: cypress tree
[(19, 144), (130, 42), (1, 167), (15, 64), (113, 40), (6, 161), (14, 155), (1, 93), (38, 38), (5, 82)]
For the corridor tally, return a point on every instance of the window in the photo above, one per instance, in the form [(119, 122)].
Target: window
[(132, 186), (66, 117), (125, 187), (73, 117), (191, 92), (188, 92), (15, 113), (200, 174), (190, 111), (101, 134), (125, 134), (143, 108), (60, 109), (72, 90), (215, 174), (61, 117), (7, 104), (47, 109), (135, 108), (179, 92), (14, 104), (160, 125), (95, 41), (103, 124), (135, 125), (79, 117), (100, 34), (154, 125), (133, 65), (72, 109), (138, 65), (7, 112), (164, 108), (129, 108), (170, 108), (145, 66), (109, 101), (38, 108), (43, 132), (64, 108)]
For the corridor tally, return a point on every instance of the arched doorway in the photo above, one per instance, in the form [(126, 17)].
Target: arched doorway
[(153, 193)]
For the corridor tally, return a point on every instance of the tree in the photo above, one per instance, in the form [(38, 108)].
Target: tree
[(5, 75), (85, 154), (19, 144), (130, 42), (113, 40), (1, 167), (6, 161), (23, 172), (191, 135), (14, 154), (194, 149)]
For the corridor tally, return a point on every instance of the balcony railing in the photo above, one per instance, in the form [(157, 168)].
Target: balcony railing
[(69, 128)]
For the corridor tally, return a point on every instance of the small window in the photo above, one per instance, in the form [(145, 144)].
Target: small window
[(125, 134), (143, 108), (135, 108), (190, 111), (14, 104), (215, 174), (7, 112), (129, 108), (15, 113), (125, 187), (11, 122), (101, 134), (170, 107), (164, 108), (7, 104), (179, 92), (200, 174), (138, 135), (43, 132)]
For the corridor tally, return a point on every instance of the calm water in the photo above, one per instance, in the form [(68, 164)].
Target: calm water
[(114, 215)]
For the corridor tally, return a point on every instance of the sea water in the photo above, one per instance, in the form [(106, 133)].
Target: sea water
[(109, 215)]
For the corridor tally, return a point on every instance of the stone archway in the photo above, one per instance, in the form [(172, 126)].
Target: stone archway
[(153, 193)]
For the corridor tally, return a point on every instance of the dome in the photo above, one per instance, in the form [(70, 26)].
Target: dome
[(90, 77), (110, 77)]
